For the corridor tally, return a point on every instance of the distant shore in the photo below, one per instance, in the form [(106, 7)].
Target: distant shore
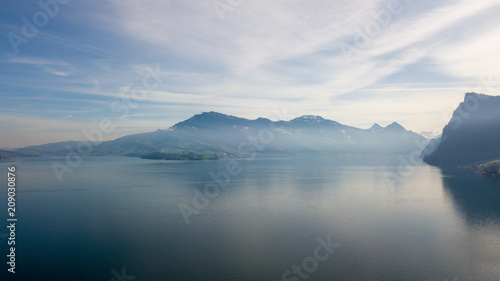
[(490, 169), (5, 154), (179, 156)]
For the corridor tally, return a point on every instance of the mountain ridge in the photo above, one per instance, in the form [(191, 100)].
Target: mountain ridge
[(214, 132)]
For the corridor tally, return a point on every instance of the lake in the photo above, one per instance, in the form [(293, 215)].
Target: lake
[(310, 218)]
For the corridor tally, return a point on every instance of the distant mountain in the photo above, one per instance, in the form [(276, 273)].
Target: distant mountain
[(376, 128), (226, 135), (52, 148), (472, 135)]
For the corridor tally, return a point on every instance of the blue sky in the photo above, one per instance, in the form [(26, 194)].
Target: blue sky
[(355, 62)]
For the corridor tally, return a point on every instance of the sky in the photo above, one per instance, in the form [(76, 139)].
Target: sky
[(131, 66)]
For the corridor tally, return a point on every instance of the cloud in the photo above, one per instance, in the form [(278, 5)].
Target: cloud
[(261, 44), (263, 55), (34, 61), (476, 58), (255, 34), (427, 28), (55, 67)]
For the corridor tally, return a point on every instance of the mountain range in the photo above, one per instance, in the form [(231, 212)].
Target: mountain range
[(472, 136), (231, 136)]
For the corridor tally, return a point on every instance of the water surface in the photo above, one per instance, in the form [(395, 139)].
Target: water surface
[(112, 213)]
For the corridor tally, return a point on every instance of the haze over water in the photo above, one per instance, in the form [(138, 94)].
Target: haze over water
[(116, 212)]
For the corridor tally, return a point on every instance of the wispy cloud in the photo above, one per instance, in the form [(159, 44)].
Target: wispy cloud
[(474, 59), (263, 55), (55, 67)]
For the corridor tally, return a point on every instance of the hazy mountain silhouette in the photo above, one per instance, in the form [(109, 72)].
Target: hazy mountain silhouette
[(472, 135), (219, 133)]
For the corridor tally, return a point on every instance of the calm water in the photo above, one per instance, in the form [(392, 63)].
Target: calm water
[(114, 213)]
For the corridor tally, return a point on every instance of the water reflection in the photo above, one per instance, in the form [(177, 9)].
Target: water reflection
[(477, 198)]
